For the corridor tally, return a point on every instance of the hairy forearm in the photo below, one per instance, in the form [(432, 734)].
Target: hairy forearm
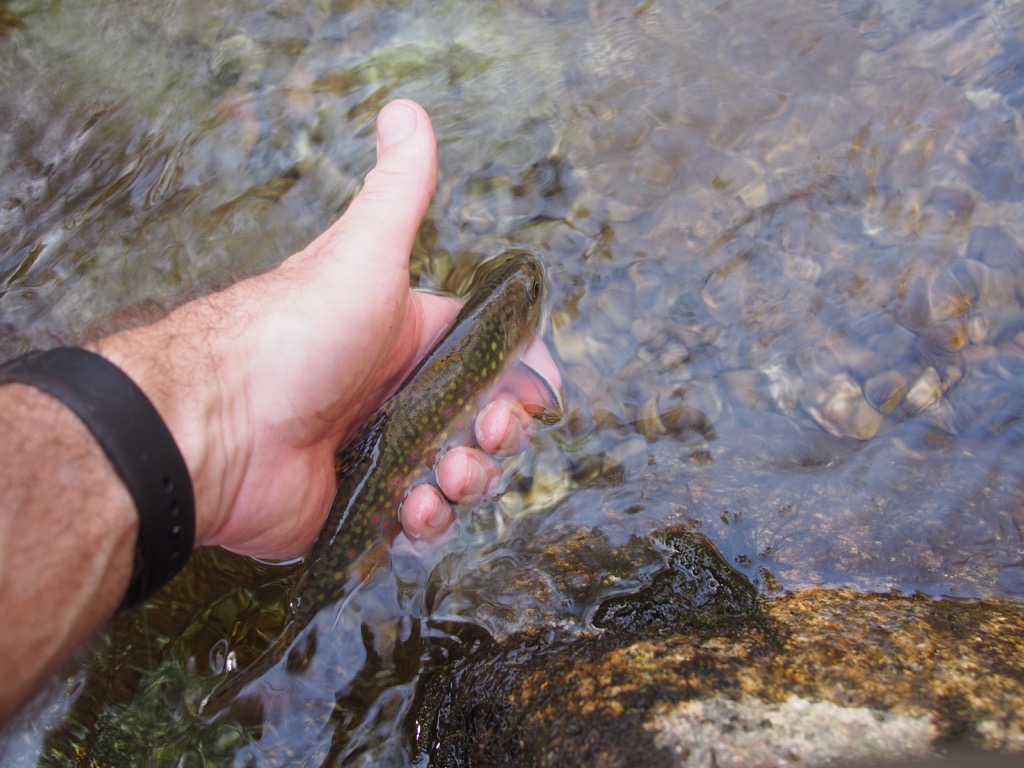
[(68, 524), (67, 539)]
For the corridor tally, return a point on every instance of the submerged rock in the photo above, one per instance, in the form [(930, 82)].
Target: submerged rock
[(695, 670)]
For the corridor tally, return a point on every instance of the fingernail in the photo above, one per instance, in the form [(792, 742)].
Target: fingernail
[(396, 122), (441, 517), (476, 485), (514, 439)]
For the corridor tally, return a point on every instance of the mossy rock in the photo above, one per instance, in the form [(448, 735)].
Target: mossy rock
[(695, 669)]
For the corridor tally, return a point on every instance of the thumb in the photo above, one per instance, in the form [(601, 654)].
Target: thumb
[(380, 225)]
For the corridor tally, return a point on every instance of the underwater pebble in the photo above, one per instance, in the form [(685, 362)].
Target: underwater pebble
[(885, 391), (845, 411), (926, 391)]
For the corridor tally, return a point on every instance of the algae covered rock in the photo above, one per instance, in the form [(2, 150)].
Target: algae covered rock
[(697, 670)]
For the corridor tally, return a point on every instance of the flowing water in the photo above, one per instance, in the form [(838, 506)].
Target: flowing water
[(785, 248)]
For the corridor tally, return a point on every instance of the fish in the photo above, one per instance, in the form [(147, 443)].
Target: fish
[(402, 440), (405, 435)]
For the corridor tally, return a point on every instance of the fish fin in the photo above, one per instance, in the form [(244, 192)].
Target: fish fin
[(539, 397)]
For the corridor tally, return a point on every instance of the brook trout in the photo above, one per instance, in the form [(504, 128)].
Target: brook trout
[(374, 468), (437, 398)]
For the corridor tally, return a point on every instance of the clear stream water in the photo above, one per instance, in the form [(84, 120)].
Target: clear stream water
[(785, 246)]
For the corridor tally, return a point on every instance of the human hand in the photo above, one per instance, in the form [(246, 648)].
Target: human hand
[(260, 383)]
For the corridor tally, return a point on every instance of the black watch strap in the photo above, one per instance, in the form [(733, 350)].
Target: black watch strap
[(139, 445)]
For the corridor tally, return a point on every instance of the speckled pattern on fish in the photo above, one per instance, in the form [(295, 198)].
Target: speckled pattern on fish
[(401, 440)]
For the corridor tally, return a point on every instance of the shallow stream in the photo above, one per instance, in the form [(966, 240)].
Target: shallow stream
[(785, 251)]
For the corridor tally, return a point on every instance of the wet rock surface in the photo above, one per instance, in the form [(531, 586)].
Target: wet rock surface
[(810, 678)]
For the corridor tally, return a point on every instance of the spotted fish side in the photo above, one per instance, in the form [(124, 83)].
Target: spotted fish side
[(401, 441)]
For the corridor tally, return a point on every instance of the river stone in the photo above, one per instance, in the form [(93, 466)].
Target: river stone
[(711, 679)]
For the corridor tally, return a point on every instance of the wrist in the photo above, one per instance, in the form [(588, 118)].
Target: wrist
[(187, 374), (123, 422)]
